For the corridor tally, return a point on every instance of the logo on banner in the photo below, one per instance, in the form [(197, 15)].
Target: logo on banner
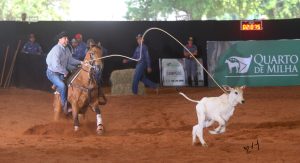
[(173, 64), (238, 64), (263, 65)]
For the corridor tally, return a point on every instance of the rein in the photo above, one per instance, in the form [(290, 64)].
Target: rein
[(88, 64)]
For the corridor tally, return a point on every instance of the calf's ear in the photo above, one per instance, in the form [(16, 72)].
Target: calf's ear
[(227, 88), (243, 87)]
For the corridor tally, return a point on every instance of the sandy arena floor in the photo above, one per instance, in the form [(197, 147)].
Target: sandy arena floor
[(152, 128)]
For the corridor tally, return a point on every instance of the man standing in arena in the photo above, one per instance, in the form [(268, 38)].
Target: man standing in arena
[(190, 63), (32, 47), (143, 64), (81, 46), (59, 59)]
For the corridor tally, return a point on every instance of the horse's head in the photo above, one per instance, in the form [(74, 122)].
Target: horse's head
[(93, 56)]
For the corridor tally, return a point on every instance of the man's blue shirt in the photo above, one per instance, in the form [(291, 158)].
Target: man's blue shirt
[(192, 48), (32, 48), (81, 48), (145, 58), (76, 53)]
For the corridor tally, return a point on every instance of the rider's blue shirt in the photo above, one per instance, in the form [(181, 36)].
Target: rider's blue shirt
[(59, 58)]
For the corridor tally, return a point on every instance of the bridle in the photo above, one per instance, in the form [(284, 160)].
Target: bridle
[(89, 67)]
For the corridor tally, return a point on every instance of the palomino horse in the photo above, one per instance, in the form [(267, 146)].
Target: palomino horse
[(83, 90)]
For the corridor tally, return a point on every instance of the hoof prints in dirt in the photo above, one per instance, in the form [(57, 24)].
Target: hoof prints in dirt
[(64, 129)]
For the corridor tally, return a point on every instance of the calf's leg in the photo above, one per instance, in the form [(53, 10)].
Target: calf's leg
[(221, 128), (208, 123), (201, 121), (194, 134)]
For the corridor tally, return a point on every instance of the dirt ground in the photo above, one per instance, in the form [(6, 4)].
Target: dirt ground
[(151, 128)]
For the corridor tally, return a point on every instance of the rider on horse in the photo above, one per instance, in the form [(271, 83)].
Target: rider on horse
[(59, 61)]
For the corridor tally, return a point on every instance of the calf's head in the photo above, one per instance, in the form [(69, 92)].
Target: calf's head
[(235, 95)]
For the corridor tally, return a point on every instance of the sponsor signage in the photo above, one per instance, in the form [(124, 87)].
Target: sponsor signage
[(173, 72), (255, 63)]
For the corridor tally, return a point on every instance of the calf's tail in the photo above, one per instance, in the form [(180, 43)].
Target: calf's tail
[(182, 94)]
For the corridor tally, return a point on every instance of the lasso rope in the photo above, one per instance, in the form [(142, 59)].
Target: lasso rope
[(155, 28)]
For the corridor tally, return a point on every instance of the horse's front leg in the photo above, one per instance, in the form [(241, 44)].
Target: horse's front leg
[(75, 111), (99, 123)]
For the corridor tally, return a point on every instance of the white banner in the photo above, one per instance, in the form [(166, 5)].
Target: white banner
[(173, 72)]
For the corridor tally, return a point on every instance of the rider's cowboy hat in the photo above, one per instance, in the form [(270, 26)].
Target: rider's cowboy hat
[(61, 35)]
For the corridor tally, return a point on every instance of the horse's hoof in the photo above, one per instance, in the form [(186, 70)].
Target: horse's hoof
[(204, 145), (76, 128), (100, 130)]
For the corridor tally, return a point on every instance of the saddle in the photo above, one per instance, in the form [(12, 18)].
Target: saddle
[(68, 81), (72, 75)]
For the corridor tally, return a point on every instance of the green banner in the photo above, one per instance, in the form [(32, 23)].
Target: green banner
[(254, 63)]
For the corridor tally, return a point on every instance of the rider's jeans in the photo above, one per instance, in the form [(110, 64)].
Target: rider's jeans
[(57, 80)]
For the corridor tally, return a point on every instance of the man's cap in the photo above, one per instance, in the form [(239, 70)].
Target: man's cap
[(73, 40), (190, 38), (78, 36), (139, 36), (61, 35)]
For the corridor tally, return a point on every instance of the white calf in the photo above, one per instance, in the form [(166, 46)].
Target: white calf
[(211, 109)]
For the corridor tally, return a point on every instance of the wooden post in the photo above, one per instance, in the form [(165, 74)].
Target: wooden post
[(4, 64), (8, 79)]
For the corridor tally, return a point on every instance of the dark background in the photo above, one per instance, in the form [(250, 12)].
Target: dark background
[(119, 38)]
